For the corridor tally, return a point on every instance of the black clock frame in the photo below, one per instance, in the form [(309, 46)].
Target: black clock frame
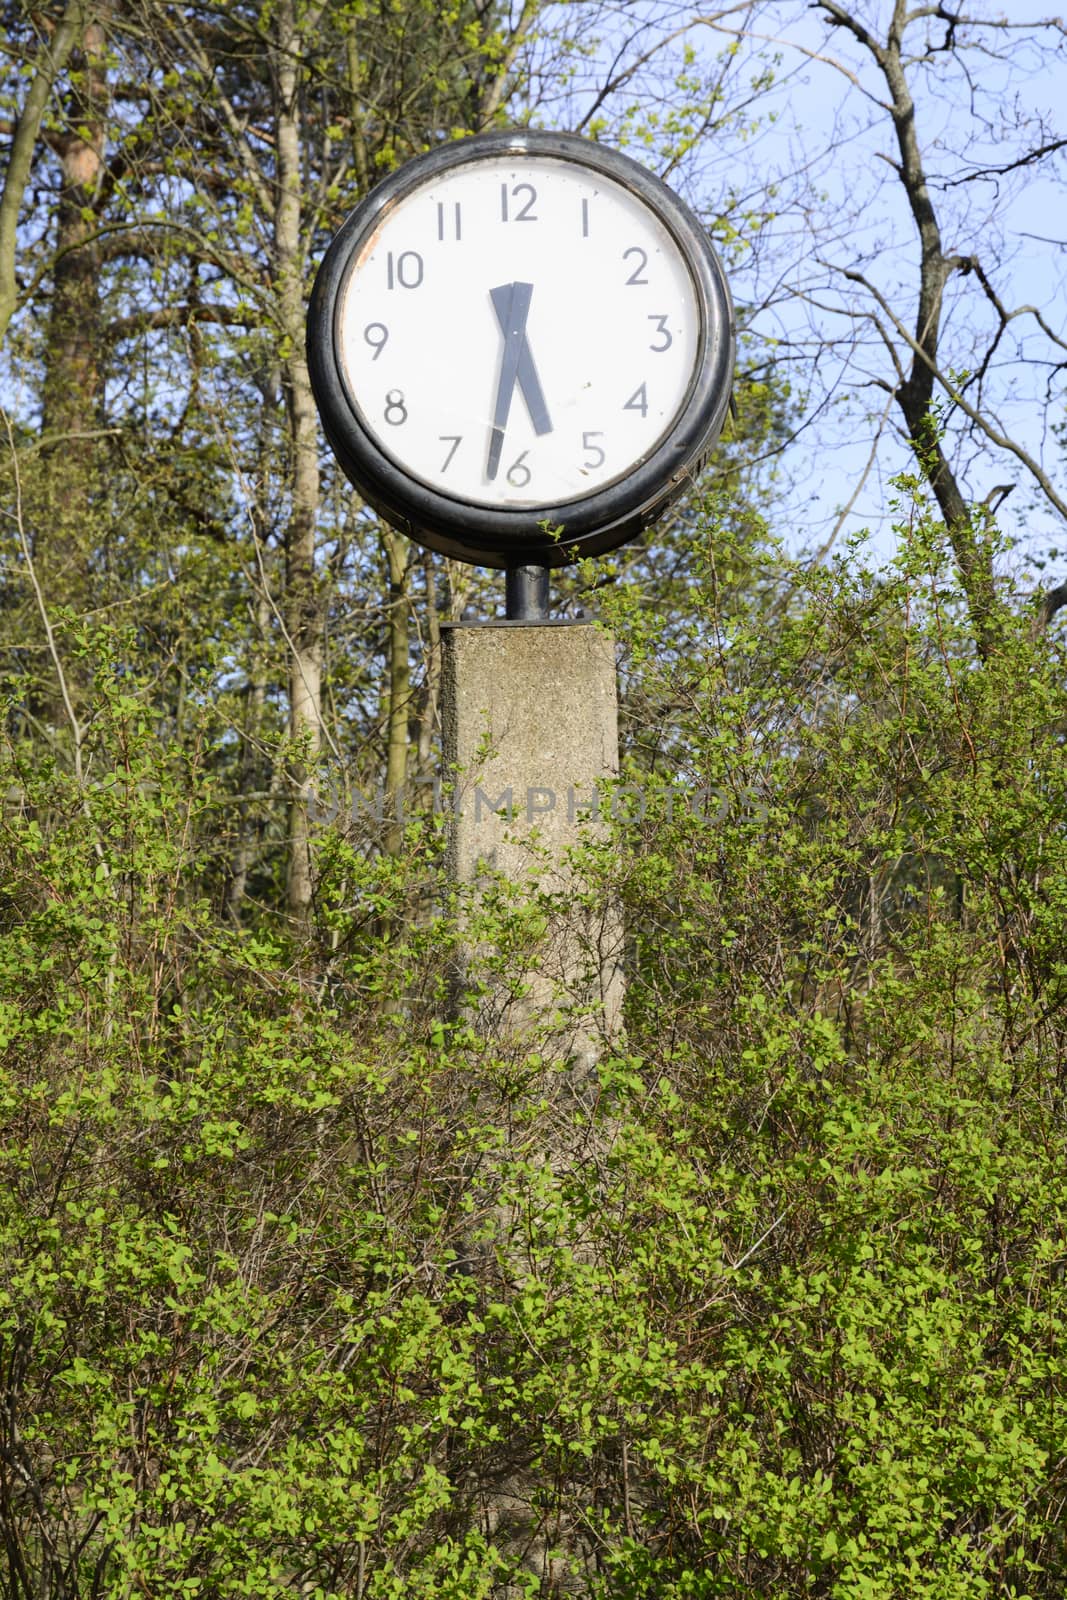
[(505, 537)]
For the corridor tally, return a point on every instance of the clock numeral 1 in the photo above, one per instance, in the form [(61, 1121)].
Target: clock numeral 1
[(455, 440), (638, 401), (519, 473), (525, 212), (585, 219), (593, 449), (456, 220), (406, 270)]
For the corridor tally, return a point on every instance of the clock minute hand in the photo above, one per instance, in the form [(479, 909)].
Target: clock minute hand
[(511, 302)]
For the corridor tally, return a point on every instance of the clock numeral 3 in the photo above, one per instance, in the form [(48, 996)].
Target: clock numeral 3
[(406, 270), (526, 212), (519, 473), (635, 279), (594, 450), (396, 412), (664, 333), (638, 401), (377, 336), (455, 440)]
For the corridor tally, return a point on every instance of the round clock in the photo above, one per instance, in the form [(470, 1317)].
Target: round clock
[(521, 346)]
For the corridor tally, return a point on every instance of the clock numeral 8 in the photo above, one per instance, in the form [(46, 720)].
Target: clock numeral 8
[(519, 473), (396, 412)]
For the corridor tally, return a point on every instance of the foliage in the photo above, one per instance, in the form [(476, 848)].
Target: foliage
[(308, 1284)]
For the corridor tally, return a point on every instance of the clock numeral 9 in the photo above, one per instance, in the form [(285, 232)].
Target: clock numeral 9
[(405, 270), (519, 473), (377, 336), (396, 412), (525, 213), (594, 450)]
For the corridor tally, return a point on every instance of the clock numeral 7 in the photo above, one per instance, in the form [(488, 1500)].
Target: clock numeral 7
[(594, 450), (455, 440)]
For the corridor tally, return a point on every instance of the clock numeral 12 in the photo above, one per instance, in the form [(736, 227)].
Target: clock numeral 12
[(525, 212)]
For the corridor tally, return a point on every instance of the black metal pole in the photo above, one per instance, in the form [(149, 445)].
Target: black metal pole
[(526, 594)]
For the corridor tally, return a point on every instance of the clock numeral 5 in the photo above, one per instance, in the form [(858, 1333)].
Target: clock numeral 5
[(593, 449), (519, 473), (638, 401)]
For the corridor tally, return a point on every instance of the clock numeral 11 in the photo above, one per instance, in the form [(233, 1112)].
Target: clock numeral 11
[(456, 220)]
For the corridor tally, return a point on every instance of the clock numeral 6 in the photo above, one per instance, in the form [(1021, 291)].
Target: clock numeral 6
[(519, 473), (396, 412), (405, 270), (594, 450), (377, 336)]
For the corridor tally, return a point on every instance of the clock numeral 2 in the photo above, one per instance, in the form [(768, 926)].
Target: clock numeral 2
[(406, 270), (525, 213), (638, 401), (635, 279)]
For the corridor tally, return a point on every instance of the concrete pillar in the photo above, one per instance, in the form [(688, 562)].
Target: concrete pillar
[(530, 713)]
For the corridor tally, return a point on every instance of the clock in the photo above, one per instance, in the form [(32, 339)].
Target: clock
[(521, 346)]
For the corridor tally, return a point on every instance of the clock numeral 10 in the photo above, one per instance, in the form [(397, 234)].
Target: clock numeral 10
[(405, 269)]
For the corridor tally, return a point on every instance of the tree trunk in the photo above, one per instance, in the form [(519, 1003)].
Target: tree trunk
[(303, 604)]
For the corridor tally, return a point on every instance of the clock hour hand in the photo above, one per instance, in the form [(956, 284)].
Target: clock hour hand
[(511, 302)]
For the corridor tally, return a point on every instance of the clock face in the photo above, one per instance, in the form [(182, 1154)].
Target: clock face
[(521, 346), (518, 332)]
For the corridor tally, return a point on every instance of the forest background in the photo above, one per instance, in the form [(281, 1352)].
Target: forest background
[(310, 1287)]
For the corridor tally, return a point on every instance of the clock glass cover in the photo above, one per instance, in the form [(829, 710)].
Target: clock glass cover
[(518, 330)]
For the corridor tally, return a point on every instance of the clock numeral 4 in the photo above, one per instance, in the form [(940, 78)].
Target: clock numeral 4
[(595, 450), (519, 473), (638, 401), (455, 440), (396, 412), (525, 212)]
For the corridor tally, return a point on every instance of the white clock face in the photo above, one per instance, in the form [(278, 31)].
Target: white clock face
[(518, 332)]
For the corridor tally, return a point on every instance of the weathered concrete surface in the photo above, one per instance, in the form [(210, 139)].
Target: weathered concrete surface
[(530, 730)]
